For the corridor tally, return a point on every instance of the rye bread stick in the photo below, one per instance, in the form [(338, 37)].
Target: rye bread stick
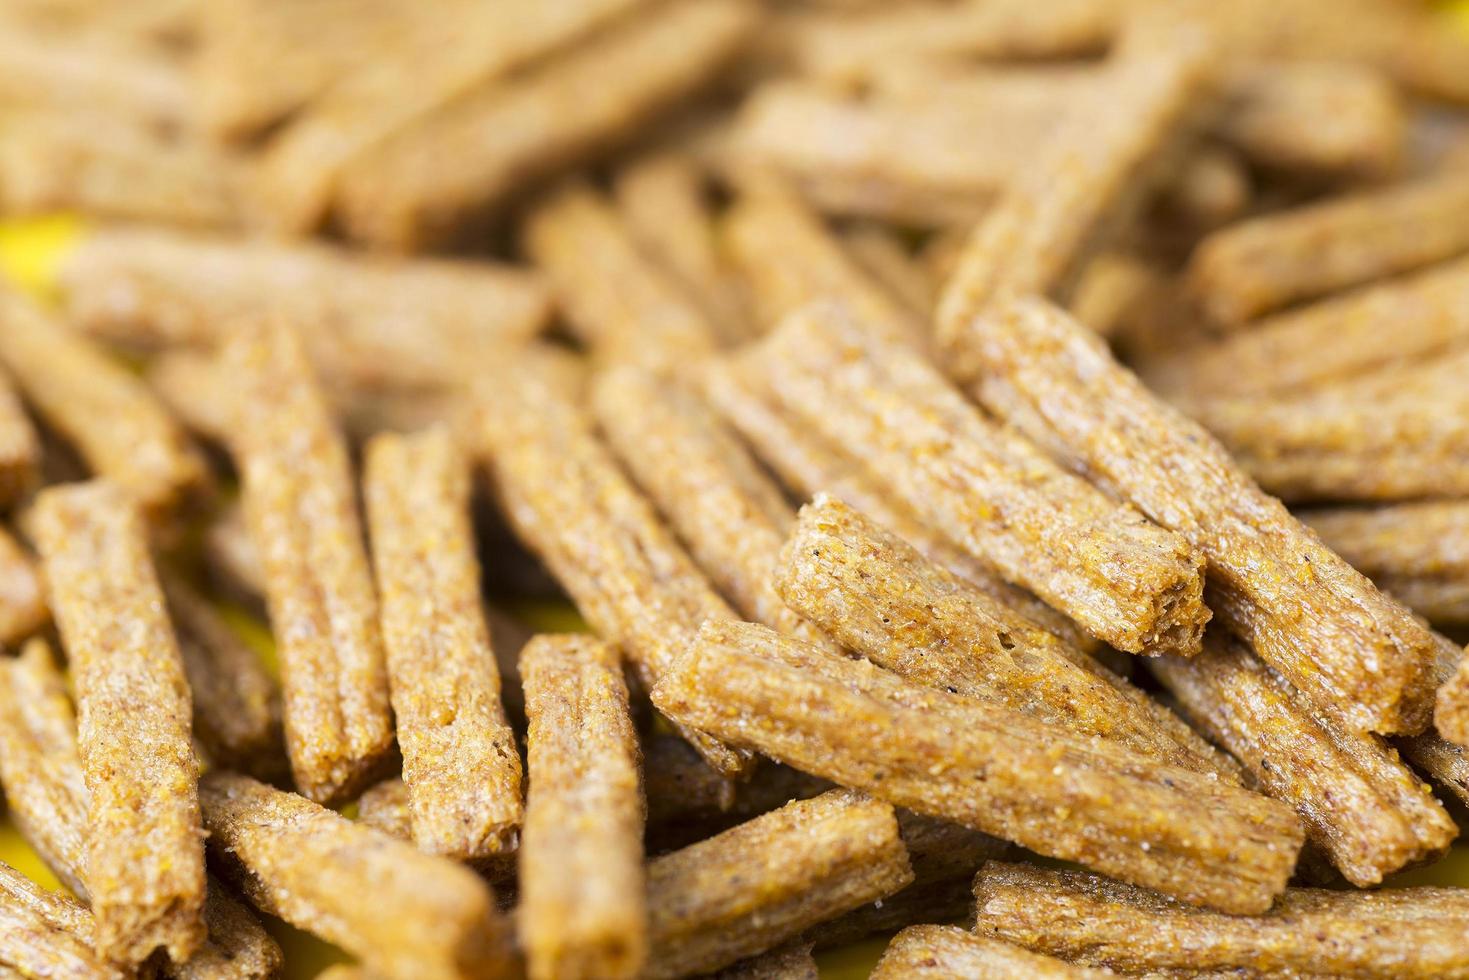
[(300, 504), (1309, 932), (935, 952), (1254, 267), (1431, 753), (44, 70), (402, 912), (144, 846), (1035, 524), (22, 605), (581, 866), (439, 179), (986, 767), (460, 761), (19, 448), (1325, 627), (97, 406), (870, 591), (566, 498), (762, 883), (47, 934), (384, 808)]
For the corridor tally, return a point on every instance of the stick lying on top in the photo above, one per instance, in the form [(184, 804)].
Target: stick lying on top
[(943, 952), (1350, 649), (47, 934)]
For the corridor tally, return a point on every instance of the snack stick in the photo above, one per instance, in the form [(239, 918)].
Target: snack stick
[(1257, 266), (1309, 932), (1114, 291), (193, 388), (727, 511), (404, 913), (565, 497), (231, 557), (47, 934), (20, 449), (238, 947), (1034, 523), (1211, 188), (300, 504), (96, 405), (620, 303), (790, 963), (1360, 804), (882, 253), (1325, 627), (1451, 714), (384, 808), (764, 882), (50, 72), (437, 180), (870, 591), (460, 761), (22, 605), (144, 849), (581, 867), (989, 768), (948, 951), (368, 323)]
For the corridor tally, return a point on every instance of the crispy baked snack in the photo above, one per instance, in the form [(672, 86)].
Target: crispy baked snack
[(1309, 932), (144, 853), (301, 507), (406, 914), (384, 808), (1113, 292), (1195, 837), (1212, 187), (48, 71), (231, 558), (238, 947), (1329, 631), (22, 606), (762, 883), (880, 250), (581, 866), (460, 761), (47, 934), (1124, 579), (567, 500), (1431, 753), (1451, 713), (947, 951), (20, 450), (790, 963)]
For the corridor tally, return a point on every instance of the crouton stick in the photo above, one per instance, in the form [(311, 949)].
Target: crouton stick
[(22, 606), (986, 767), (762, 883), (581, 867), (238, 947), (886, 257), (460, 761), (869, 590), (1348, 648), (406, 914), (20, 450), (47, 934), (437, 180), (620, 303), (565, 497), (1257, 266), (300, 504), (96, 405), (1309, 932), (948, 951), (47, 71), (1034, 523), (791, 963), (731, 516)]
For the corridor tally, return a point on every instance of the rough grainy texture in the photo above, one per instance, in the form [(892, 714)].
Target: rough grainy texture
[(46, 934), (566, 498), (238, 947), (621, 304), (96, 405), (581, 868), (1451, 714), (300, 503), (384, 808), (791, 963), (460, 761), (939, 952), (1304, 610), (762, 883), (54, 73), (1251, 268), (1395, 933), (981, 765), (1360, 804), (1443, 761), (1123, 578), (727, 511), (19, 448), (869, 590), (144, 847), (406, 914), (22, 605), (435, 180)]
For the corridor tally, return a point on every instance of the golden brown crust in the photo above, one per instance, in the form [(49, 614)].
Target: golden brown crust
[(47, 70), (384, 808), (1451, 712), (46, 934), (22, 605), (19, 448), (238, 947), (947, 951), (791, 963)]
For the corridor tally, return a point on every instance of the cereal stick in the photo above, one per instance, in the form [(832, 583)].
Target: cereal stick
[(22, 606), (1309, 932), (620, 303), (95, 404), (437, 180), (20, 450), (1249, 269), (566, 499), (869, 590), (1113, 292), (1035, 524), (1211, 188), (791, 963), (1195, 837), (46, 71), (727, 511), (1451, 714), (886, 257), (238, 947), (47, 934), (384, 808), (948, 951), (764, 882), (581, 868), (1443, 761), (300, 504), (460, 761), (1345, 646), (144, 852), (404, 913)]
